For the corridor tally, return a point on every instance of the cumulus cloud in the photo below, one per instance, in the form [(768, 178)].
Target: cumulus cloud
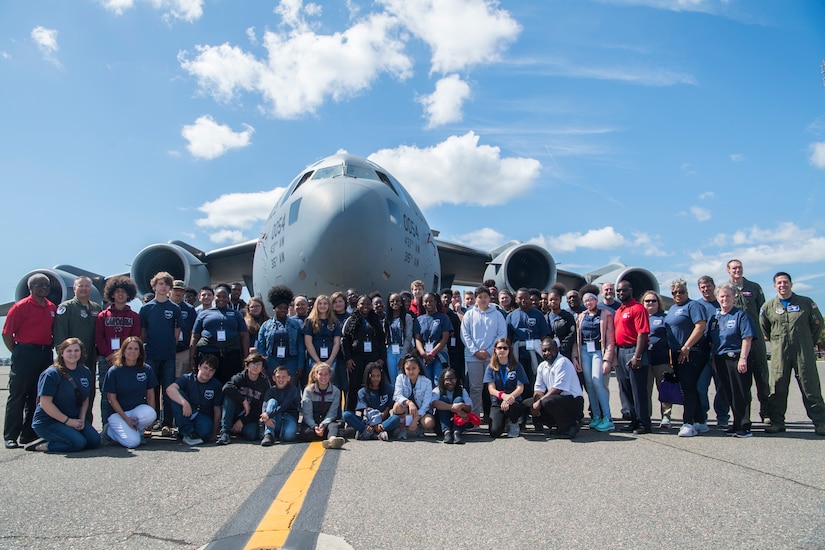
[(443, 106), (605, 238), (229, 214), (817, 157), (459, 171), (701, 214), (460, 33), (46, 40), (762, 250), (187, 10), (208, 139), (227, 236), (302, 69), (483, 239)]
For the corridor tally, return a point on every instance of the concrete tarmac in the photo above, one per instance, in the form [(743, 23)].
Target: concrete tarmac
[(599, 490)]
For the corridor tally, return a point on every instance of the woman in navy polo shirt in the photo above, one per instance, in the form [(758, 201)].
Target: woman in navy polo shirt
[(732, 334), (505, 379), (222, 332), (130, 388), (685, 323), (322, 333), (63, 398)]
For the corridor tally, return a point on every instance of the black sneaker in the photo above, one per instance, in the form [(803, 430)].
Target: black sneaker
[(223, 438), (448, 437), (458, 439), (268, 440)]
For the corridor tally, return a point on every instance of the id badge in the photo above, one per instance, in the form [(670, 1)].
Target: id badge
[(280, 352), (324, 352), (396, 349), (367, 347), (428, 347), (180, 336), (591, 346), (530, 346), (115, 344), (221, 335), (452, 341)]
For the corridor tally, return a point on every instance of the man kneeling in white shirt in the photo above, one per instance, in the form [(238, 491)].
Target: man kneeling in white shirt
[(557, 396)]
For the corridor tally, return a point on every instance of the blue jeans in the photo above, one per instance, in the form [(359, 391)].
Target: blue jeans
[(165, 372), (595, 383), (720, 404), (432, 370), (65, 439), (445, 418), (392, 362), (352, 419), (199, 424), (233, 411), (286, 425)]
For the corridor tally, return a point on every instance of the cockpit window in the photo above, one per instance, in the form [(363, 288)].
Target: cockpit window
[(328, 172), (362, 172)]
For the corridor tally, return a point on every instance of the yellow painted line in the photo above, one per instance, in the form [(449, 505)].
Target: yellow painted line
[(274, 528)]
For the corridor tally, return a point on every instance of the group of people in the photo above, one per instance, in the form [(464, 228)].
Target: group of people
[(324, 367)]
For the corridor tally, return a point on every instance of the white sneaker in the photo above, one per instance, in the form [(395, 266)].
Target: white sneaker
[(513, 430), (701, 427), (192, 441), (665, 423), (687, 431), (334, 442)]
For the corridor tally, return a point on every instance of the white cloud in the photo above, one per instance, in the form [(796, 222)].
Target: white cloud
[(227, 236), (231, 213), (46, 40), (483, 239), (460, 33), (704, 6), (208, 139), (4, 54), (656, 76), (817, 157), (443, 106), (737, 157), (707, 195), (187, 10), (701, 214), (605, 238), (459, 171), (303, 69), (762, 250)]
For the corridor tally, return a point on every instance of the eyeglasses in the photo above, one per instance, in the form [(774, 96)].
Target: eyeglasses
[(503, 347), (678, 291), (653, 301)]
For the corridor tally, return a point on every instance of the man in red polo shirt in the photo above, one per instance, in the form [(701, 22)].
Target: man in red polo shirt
[(28, 335), (632, 327)]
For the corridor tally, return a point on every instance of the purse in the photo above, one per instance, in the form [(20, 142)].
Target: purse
[(670, 392)]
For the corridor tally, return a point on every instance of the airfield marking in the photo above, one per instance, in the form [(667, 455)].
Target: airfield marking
[(274, 527)]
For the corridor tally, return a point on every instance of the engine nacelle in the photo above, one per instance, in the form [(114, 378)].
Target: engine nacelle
[(177, 261), (62, 280), (639, 278), (522, 265)]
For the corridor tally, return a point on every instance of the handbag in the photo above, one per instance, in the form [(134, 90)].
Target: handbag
[(670, 392)]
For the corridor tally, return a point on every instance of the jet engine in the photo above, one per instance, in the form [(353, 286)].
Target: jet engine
[(62, 279), (521, 265), (639, 278), (172, 258)]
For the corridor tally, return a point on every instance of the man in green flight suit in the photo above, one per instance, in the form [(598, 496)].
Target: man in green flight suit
[(792, 323), (76, 318)]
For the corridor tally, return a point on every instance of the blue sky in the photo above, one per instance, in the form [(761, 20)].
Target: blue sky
[(672, 135)]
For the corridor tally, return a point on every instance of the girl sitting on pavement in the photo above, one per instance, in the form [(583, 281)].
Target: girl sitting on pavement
[(449, 400), (374, 404), (413, 395), (321, 408)]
